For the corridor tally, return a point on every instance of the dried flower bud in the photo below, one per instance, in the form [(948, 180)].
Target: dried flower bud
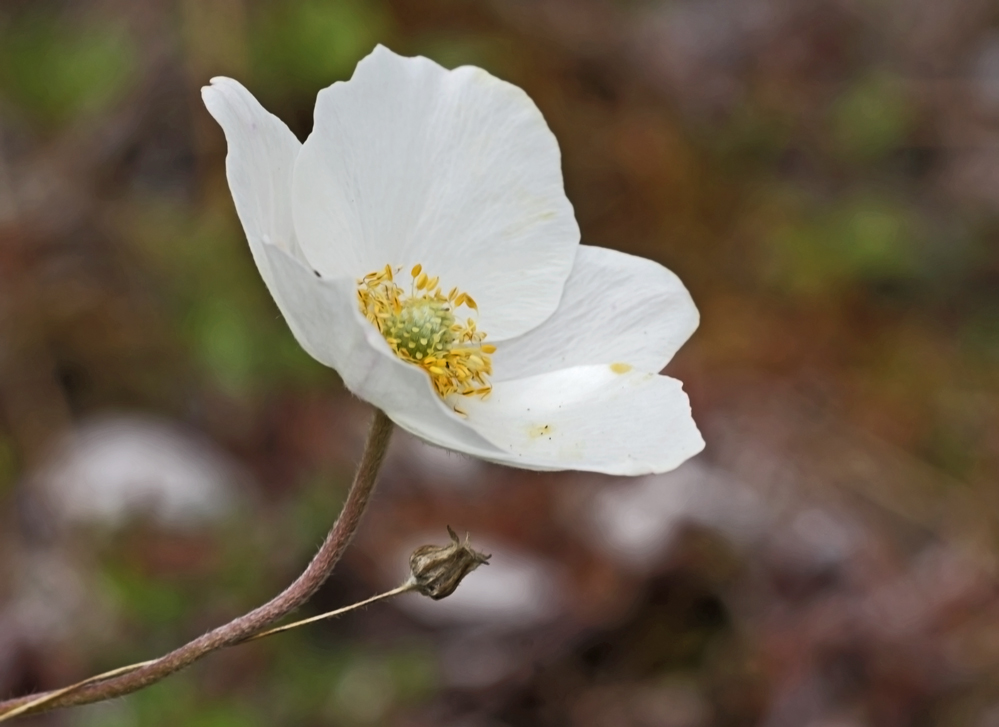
[(438, 569)]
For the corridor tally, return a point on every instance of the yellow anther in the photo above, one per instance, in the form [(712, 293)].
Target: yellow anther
[(421, 329)]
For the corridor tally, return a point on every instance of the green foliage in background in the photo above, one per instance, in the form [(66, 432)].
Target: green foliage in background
[(225, 315), (56, 68), (871, 118), (865, 238), (301, 46)]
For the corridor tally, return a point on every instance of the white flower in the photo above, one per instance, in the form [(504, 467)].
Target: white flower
[(417, 180)]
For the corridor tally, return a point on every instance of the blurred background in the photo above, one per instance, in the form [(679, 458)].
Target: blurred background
[(822, 174)]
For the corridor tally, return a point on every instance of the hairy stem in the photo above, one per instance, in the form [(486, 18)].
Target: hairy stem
[(243, 627)]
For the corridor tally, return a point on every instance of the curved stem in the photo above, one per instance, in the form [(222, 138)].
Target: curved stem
[(43, 699), (249, 624)]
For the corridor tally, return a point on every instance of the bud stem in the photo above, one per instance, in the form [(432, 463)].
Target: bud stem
[(404, 588)]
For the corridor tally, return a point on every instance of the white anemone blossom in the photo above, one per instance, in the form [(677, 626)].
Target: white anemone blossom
[(420, 243)]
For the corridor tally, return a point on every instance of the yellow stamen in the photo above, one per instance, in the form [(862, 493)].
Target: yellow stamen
[(420, 327)]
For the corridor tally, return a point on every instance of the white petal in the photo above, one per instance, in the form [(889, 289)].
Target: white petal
[(259, 165), (323, 315), (596, 418), (615, 307), (456, 170)]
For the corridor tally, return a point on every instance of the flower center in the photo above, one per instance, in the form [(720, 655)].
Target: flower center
[(422, 329)]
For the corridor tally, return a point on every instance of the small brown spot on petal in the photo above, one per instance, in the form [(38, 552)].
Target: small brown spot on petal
[(541, 430)]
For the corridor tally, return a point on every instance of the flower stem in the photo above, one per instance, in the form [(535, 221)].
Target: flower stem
[(244, 627), (38, 702)]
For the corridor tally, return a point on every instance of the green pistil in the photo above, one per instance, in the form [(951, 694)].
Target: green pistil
[(422, 327)]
